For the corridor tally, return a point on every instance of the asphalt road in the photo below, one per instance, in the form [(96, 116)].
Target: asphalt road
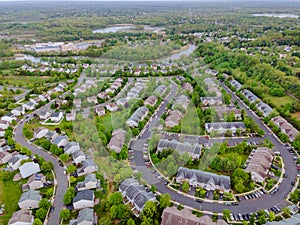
[(264, 202), (61, 177)]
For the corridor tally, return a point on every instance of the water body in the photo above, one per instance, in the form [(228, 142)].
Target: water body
[(172, 57), (278, 15), (177, 55), (115, 29), (112, 29)]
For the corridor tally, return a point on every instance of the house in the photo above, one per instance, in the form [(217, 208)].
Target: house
[(40, 132), (60, 141), (92, 99), (30, 200), (21, 217), (5, 148), (36, 181), (56, 117), (85, 217), (173, 216), (78, 157), (286, 127), (222, 127), (77, 103), (249, 95), (237, 85), (206, 180), (28, 106), (90, 182), (18, 111), (2, 142), (117, 140), (194, 150), (8, 117), (137, 116), (15, 161), (43, 115), (135, 194), (102, 95), (71, 116), (211, 101), (2, 132), (99, 110), (226, 111), (28, 169), (122, 101), (88, 166), (84, 199), (160, 90), (112, 107), (212, 72), (264, 108), (173, 118), (71, 147), (209, 82), (151, 100), (86, 112), (259, 163), (187, 87), (4, 124), (182, 101), (51, 135), (5, 157)]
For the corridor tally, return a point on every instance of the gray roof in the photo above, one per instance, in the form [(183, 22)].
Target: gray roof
[(133, 190), (127, 182), (85, 214), (58, 139), (84, 195), (182, 100), (225, 125), (236, 84), (142, 197), (30, 195), (70, 145), (77, 154), (204, 177), (264, 108), (179, 146), (294, 220), (160, 89), (139, 113), (249, 95), (55, 114)]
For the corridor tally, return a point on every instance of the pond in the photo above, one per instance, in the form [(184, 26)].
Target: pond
[(278, 15)]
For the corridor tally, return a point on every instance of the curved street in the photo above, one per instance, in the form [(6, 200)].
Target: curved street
[(61, 177), (263, 202)]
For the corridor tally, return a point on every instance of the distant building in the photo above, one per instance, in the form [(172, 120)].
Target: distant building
[(117, 140), (249, 95), (173, 118), (237, 85), (223, 127)]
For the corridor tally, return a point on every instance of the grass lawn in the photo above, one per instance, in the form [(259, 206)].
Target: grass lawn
[(280, 101), (65, 126), (10, 192), (24, 80), (296, 115)]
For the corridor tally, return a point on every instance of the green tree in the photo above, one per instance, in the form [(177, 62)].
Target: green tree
[(185, 186), (116, 198), (226, 214), (69, 195), (286, 212), (64, 157), (272, 216), (71, 169), (47, 166), (130, 222), (44, 203), (165, 200), (149, 212), (65, 214), (37, 221), (41, 214)]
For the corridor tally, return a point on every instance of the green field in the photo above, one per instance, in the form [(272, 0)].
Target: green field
[(19, 81), (10, 192), (279, 101)]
